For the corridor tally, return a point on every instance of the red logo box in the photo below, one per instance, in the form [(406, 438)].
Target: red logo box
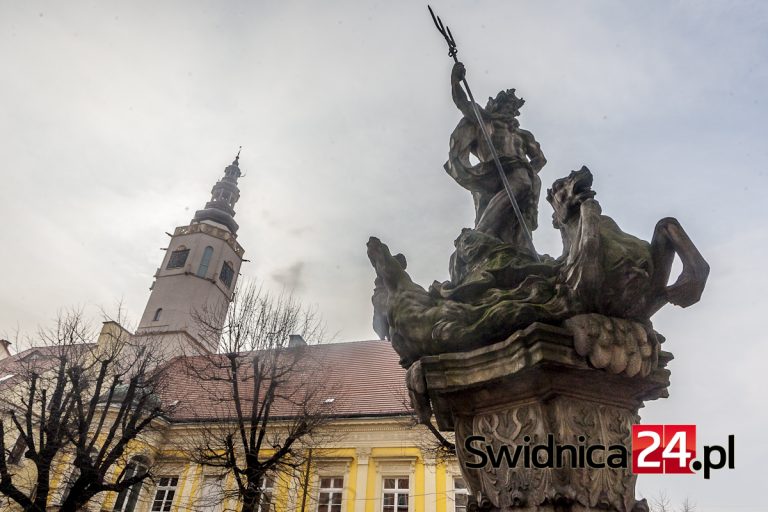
[(663, 448)]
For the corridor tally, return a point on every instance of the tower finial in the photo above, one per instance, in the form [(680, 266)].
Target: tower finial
[(224, 195)]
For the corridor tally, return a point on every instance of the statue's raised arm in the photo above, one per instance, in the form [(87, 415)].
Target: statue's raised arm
[(459, 96)]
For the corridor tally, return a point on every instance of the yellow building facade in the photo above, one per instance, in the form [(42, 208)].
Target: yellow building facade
[(376, 461), (375, 467)]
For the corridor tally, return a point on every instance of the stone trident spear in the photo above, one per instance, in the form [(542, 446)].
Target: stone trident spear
[(452, 51)]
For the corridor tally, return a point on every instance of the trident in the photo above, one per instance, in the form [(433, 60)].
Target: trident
[(452, 51)]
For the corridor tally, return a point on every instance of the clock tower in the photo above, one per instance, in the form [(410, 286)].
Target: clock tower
[(193, 287)]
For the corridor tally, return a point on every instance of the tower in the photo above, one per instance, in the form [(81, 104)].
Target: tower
[(198, 274)]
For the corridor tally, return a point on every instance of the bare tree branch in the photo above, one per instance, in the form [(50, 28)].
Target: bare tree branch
[(266, 393), (79, 398)]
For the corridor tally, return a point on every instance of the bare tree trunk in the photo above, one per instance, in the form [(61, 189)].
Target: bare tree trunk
[(273, 392), (89, 398)]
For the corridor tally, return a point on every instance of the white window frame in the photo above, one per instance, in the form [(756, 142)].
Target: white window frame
[(131, 496), (331, 492), (267, 485), (457, 491), (397, 491), (169, 487), (388, 467)]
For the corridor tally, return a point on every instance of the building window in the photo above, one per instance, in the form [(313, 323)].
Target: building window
[(226, 274), (157, 314), (166, 489), (460, 495), (178, 258), (267, 487), (211, 494), (127, 499), (331, 490), (202, 270), (69, 482), (396, 490), (14, 457)]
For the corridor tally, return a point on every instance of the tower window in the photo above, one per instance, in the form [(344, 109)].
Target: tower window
[(157, 314), (178, 258), (226, 274), (202, 270)]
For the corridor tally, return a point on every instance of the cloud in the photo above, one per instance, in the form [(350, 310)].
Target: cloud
[(290, 277)]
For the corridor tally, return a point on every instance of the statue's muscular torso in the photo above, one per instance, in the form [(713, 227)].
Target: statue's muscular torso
[(507, 139)]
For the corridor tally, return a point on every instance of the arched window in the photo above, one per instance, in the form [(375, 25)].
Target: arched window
[(127, 499), (202, 270), (157, 314)]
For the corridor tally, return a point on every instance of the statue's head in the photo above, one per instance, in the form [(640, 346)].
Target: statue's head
[(391, 269), (567, 194), (400, 257), (506, 102)]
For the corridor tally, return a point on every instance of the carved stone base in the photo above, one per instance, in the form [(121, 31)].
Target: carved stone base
[(534, 389)]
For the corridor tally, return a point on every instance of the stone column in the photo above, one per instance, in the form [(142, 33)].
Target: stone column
[(532, 387), (430, 484), (361, 479)]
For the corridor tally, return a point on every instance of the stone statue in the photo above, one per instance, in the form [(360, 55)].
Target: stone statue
[(507, 349), (496, 290), (380, 301), (518, 349), (519, 153), (610, 272)]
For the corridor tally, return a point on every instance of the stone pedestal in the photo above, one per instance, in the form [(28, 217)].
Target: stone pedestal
[(525, 390)]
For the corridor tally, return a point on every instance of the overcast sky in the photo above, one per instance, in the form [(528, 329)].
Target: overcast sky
[(118, 118)]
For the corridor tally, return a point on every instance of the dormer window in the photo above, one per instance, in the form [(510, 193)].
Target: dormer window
[(226, 274), (157, 314), (178, 258)]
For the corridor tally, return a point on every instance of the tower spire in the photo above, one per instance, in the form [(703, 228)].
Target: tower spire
[(224, 195)]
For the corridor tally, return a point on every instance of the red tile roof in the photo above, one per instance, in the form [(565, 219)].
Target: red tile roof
[(18, 367), (363, 378)]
